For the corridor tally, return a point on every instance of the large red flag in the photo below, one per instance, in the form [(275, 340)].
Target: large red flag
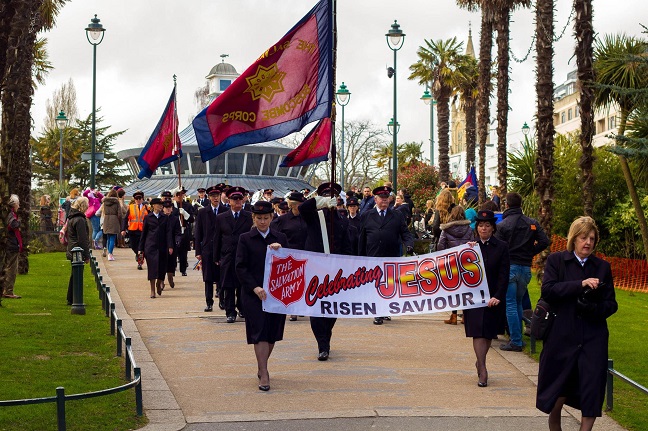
[(314, 148), (164, 144), (288, 87)]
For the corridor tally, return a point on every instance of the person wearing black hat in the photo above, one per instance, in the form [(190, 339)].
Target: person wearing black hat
[(292, 225), (185, 213), (156, 245), (166, 195), (230, 225), (133, 223), (383, 231), (267, 195), (262, 329), (352, 205), (176, 234), (485, 323), (204, 244), (202, 200), (333, 238)]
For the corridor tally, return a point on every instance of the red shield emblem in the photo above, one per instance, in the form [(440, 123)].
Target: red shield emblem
[(287, 282)]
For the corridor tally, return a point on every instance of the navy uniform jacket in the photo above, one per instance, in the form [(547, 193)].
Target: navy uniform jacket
[(226, 237), (339, 238), (294, 227), (204, 241), (155, 244), (382, 236)]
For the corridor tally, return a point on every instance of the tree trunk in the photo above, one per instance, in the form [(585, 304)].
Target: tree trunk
[(544, 186), (443, 130), (483, 99), (503, 33), (471, 132), (584, 33)]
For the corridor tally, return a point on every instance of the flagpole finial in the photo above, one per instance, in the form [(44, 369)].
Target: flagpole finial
[(174, 79)]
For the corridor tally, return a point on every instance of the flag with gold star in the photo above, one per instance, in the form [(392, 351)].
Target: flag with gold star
[(164, 144), (314, 148), (287, 87)]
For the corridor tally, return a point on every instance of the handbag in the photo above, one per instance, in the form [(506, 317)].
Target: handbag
[(542, 320)]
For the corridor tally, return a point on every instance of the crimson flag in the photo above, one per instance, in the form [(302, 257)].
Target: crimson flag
[(288, 87), (314, 148), (164, 144)]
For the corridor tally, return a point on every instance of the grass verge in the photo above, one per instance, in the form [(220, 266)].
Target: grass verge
[(627, 347), (44, 346)]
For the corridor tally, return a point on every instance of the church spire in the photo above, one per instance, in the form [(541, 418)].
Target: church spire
[(470, 50)]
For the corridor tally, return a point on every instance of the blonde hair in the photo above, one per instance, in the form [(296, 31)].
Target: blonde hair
[(74, 193), (429, 204), (582, 226), (443, 202), (81, 204), (44, 200), (457, 213)]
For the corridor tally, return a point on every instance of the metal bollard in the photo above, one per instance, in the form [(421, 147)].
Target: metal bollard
[(78, 307), (609, 387), (60, 408)]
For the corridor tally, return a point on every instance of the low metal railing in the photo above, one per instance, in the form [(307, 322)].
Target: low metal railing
[(609, 388), (133, 373)]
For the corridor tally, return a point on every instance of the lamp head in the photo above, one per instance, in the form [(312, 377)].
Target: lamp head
[(343, 95), (61, 121), (395, 37), (95, 31), (526, 129)]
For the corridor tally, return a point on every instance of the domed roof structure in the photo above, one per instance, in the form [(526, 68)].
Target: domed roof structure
[(222, 69)]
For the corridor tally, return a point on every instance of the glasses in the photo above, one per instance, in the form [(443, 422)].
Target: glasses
[(138, 198)]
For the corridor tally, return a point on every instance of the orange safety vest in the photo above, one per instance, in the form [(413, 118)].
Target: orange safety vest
[(136, 217)]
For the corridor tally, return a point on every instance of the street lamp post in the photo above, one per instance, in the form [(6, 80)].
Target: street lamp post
[(61, 123), (429, 100), (395, 40), (342, 96), (525, 130), (95, 35)]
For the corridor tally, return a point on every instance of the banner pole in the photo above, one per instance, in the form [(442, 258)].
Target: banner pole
[(175, 127)]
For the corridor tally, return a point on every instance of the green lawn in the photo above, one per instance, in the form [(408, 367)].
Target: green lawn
[(44, 346), (628, 347)]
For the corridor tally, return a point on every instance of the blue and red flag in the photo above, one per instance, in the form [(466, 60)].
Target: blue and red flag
[(471, 180), (314, 148), (164, 144), (288, 87)]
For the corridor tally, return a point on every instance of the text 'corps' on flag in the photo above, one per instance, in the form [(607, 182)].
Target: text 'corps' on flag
[(287, 87), (314, 148), (164, 144)]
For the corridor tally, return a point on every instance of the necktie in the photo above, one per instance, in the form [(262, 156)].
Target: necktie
[(216, 211), (235, 216), (382, 213)]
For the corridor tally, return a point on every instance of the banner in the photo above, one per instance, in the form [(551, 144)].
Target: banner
[(164, 144), (288, 87), (470, 181), (314, 284), (314, 148)]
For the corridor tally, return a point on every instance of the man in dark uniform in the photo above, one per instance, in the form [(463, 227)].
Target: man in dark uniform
[(204, 243), (185, 212), (355, 220), (247, 206), (202, 200), (275, 201), (166, 195), (338, 241), (383, 231), (230, 225)]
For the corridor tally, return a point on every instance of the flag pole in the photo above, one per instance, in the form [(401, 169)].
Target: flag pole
[(175, 127), (334, 107)]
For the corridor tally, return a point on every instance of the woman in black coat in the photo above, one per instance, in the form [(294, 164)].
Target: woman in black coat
[(262, 329), (573, 362), (78, 235), (156, 244), (483, 324)]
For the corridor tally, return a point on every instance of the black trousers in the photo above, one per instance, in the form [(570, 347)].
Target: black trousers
[(322, 328), (134, 239), (209, 293), (231, 297)]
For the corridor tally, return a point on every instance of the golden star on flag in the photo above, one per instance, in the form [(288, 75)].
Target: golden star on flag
[(266, 82)]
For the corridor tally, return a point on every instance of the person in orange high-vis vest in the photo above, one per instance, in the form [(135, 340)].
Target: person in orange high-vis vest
[(137, 211)]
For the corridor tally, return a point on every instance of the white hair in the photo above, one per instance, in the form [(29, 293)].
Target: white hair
[(13, 200)]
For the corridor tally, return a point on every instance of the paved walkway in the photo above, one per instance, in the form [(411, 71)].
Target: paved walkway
[(413, 373)]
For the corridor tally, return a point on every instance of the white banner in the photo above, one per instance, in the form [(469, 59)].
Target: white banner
[(330, 285)]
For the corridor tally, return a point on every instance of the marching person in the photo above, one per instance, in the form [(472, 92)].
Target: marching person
[(204, 243), (336, 233), (185, 212), (230, 225), (202, 200), (134, 222), (485, 323), (573, 363), (383, 231), (156, 245), (262, 329), (176, 236)]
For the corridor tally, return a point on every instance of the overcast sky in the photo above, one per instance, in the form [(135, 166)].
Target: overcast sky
[(148, 41)]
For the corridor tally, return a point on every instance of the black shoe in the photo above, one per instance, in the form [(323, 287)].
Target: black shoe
[(264, 388), (378, 321), (209, 308), (241, 315), (293, 318), (323, 355), (184, 274), (231, 319), (387, 318), (221, 305), (508, 347), (139, 267)]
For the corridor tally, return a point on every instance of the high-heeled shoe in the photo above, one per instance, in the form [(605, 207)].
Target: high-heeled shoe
[(483, 383), (264, 388)]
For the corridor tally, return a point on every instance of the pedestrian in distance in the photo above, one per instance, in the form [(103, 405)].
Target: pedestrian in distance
[(78, 235), (13, 249)]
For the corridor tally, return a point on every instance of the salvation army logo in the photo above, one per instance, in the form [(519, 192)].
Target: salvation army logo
[(286, 282)]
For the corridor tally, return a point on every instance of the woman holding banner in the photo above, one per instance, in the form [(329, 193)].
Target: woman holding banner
[(484, 323), (262, 329)]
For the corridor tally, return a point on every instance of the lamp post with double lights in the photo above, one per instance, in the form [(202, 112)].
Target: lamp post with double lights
[(429, 100), (342, 97), (95, 34), (61, 123), (395, 40)]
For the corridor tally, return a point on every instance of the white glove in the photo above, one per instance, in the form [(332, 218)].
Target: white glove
[(325, 202), (184, 213)]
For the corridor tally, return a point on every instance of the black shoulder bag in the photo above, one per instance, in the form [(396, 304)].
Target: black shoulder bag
[(543, 318)]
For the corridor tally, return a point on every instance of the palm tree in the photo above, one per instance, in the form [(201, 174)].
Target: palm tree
[(436, 64), (466, 78), (410, 154), (584, 33), (544, 163), (621, 71)]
